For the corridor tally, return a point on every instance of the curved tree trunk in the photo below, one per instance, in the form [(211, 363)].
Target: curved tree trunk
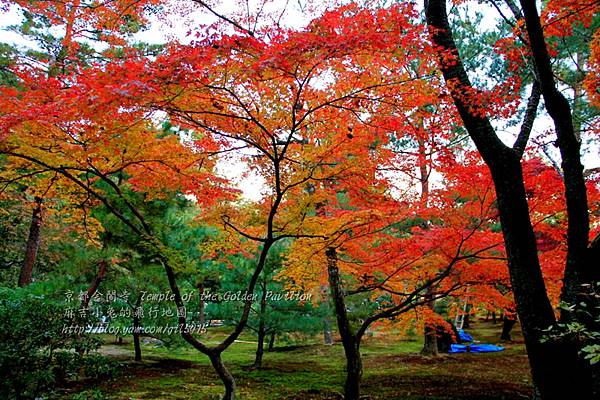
[(33, 244), (93, 288), (224, 375)]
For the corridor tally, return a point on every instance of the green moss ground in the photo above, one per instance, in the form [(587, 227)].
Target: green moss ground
[(393, 369)]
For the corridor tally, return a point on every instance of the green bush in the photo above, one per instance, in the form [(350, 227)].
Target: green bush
[(92, 394), (35, 350), (66, 365), (96, 366)]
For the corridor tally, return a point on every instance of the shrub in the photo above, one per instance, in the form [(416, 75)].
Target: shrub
[(35, 350)]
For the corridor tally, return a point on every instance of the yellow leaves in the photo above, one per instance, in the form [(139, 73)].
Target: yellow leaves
[(304, 267), (219, 245), (73, 220)]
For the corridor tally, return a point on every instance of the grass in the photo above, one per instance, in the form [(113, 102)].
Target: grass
[(393, 369)]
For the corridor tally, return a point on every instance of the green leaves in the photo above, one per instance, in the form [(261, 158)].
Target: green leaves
[(592, 353), (32, 339)]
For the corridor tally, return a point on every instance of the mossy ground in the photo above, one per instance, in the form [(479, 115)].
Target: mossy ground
[(393, 369)]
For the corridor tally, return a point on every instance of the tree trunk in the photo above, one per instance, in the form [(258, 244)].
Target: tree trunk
[(137, 330), (349, 340), (353, 373), (260, 348), (261, 326), (102, 268), (33, 244), (507, 325), (577, 270), (224, 375), (430, 345), (136, 339), (271, 342), (552, 364), (467, 318)]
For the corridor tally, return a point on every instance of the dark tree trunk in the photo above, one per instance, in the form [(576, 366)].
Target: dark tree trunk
[(445, 339), (33, 244), (214, 353), (136, 339), (350, 341), (260, 348), (137, 331), (577, 270), (507, 326), (467, 318), (353, 373), (581, 272), (552, 364), (224, 375), (271, 342), (430, 344), (261, 326), (102, 268)]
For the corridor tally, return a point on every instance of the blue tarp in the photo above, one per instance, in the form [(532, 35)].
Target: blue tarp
[(464, 336), (474, 348)]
